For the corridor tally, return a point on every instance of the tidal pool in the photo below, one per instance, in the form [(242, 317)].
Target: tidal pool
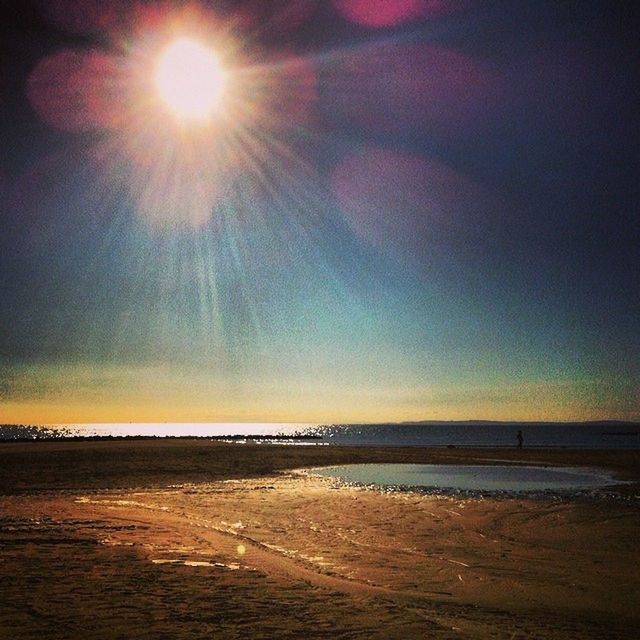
[(470, 477)]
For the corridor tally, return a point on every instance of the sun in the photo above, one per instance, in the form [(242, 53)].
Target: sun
[(189, 79)]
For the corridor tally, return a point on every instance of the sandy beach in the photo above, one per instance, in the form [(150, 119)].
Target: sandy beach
[(195, 539)]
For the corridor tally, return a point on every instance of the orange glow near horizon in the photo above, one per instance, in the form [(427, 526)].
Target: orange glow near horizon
[(77, 394), (41, 413)]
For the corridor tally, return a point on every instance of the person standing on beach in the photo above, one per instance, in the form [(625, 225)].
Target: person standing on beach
[(520, 439)]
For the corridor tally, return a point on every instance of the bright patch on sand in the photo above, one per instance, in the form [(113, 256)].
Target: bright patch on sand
[(232, 566)]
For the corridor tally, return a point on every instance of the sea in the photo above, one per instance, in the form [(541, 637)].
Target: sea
[(570, 435)]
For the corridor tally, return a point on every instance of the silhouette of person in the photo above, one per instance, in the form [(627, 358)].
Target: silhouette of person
[(520, 439)]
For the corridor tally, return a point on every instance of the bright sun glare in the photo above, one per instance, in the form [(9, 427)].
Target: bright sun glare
[(189, 79)]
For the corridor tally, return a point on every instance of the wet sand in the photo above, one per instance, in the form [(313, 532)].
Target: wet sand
[(195, 539)]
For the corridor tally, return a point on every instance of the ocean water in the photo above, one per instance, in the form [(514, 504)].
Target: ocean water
[(605, 435), (470, 477)]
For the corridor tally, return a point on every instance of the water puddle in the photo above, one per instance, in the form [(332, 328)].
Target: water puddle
[(470, 477)]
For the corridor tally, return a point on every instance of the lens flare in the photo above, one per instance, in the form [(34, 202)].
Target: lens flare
[(409, 204), (412, 89), (392, 13), (189, 79)]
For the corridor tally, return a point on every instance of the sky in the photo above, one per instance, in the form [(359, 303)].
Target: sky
[(408, 210)]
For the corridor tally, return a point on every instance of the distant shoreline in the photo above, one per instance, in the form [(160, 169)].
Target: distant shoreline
[(455, 434)]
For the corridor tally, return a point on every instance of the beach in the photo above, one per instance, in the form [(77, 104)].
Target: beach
[(197, 538)]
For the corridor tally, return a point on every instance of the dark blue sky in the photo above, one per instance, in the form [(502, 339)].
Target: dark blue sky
[(433, 219)]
